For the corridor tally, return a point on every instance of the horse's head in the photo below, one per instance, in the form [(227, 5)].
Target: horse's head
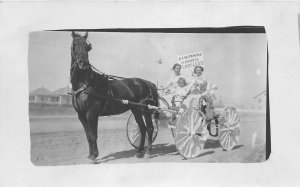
[(79, 50)]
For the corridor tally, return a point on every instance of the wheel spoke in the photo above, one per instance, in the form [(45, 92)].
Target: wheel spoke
[(222, 134), (190, 120), (234, 138), (225, 141), (183, 130), (228, 141), (191, 145), (223, 129), (222, 120), (182, 145), (135, 138), (236, 122), (133, 124), (230, 113), (135, 134), (195, 120), (224, 138), (237, 128), (182, 140), (233, 118), (198, 124), (181, 134), (132, 129), (186, 148)]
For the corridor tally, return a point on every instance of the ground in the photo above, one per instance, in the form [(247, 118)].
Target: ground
[(62, 141)]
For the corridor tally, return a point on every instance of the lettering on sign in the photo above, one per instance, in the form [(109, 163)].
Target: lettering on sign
[(189, 61)]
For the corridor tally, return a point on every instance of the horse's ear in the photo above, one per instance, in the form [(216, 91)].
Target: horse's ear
[(73, 34), (86, 35)]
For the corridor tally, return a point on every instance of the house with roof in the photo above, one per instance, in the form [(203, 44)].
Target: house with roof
[(63, 97), (260, 101), (44, 96), (41, 95)]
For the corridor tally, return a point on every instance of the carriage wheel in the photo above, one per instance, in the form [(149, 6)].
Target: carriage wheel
[(229, 128), (133, 131), (164, 117), (191, 133)]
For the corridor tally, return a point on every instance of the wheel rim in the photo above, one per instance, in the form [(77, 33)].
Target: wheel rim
[(191, 133), (194, 102), (134, 134), (229, 125), (173, 130), (163, 104), (163, 118)]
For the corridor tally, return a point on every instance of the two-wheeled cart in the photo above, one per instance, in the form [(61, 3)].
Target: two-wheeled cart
[(191, 128)]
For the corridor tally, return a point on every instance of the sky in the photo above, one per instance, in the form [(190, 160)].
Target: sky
[(299, 26), (236, 63)]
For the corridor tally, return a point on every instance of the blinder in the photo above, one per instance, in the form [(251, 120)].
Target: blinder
[(83, 63)]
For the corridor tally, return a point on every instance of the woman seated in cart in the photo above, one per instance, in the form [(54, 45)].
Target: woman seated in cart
[(201, 89), (189, 92), (172, 84)]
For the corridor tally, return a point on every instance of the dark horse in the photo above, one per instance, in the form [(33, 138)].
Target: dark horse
[(97, 94)]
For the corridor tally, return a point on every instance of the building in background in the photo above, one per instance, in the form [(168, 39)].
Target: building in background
[(44, 96), (64, 97), (260, 101)]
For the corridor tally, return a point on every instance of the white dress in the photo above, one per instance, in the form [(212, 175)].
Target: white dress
[(171, 87), (179, 94), (173, 82), (200, 87)]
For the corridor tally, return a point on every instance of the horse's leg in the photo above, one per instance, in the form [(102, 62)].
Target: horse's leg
[(139, 119), (85, 126), (150, 129), (92, 133)]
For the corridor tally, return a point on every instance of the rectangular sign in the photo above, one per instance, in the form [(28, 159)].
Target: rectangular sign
[(189, 61)]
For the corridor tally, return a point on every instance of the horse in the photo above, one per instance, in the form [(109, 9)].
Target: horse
[(97, 94)]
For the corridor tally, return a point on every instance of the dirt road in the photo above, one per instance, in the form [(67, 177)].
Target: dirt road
[(62, 141)]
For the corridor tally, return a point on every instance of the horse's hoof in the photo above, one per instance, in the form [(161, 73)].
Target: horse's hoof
[(147, 156), (139, 155), (94, 161), (147, 153)]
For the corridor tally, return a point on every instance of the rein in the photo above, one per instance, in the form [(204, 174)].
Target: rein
[(109, 76), (125, 102), (89, 90)]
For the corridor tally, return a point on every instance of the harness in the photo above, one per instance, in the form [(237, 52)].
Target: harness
[(88, 89)]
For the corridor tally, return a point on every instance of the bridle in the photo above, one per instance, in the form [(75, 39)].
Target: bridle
[(83, 51), (77, 59)]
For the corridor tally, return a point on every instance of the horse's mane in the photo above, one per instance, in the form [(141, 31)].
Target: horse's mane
[(110, 77), (76, 34)]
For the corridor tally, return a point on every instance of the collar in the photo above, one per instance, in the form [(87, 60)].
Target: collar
[(82, 88)]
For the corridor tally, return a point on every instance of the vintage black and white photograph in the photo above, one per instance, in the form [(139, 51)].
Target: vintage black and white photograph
[(148, 95)]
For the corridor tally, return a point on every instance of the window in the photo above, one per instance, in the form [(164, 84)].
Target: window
[(31, 98), (54, 99)]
